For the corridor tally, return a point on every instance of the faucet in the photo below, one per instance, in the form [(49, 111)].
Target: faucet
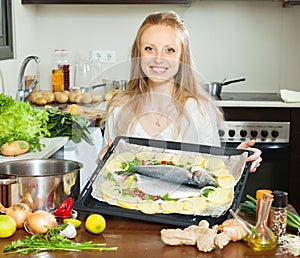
[(23, 93)]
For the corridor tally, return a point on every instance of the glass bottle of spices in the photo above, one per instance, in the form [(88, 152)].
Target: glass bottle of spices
[(259, 194), (262, 237), (278, 214), (57, 74), (65, 66)]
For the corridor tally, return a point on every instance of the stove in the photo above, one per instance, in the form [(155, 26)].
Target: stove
[(261, 131), (250, 96)]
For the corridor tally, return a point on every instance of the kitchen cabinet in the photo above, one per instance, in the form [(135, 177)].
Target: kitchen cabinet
[(184, 2)]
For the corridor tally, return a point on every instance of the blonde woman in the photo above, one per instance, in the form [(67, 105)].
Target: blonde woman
[(163, 99)]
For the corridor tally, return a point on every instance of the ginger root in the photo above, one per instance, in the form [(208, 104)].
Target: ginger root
[(205, 238)]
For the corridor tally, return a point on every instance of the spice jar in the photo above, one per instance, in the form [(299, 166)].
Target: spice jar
[(262, 238), (259, 194), (278, 214)]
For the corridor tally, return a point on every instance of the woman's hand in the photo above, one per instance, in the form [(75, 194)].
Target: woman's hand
[(255, 157), (105, 149)]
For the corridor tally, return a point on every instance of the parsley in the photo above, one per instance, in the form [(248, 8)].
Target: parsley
[(52, 241)]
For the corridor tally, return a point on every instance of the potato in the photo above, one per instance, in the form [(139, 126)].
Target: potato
[(61, 97), (49, 96), (78, 99), (72, 96), (87, 98), (15, 148), (33, 96), (40, 101)]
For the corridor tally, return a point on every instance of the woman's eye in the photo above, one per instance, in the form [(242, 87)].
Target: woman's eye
[(148, 49), (170, 50)]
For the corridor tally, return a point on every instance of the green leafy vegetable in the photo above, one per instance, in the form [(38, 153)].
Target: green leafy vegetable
[(52, 241), (66, 124), (19, 121)]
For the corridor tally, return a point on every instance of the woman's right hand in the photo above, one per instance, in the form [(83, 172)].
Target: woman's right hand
[(105, 149)]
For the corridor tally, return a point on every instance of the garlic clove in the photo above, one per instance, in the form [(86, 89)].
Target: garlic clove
[(70, 231)]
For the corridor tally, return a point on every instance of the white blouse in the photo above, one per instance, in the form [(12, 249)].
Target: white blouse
[(200, 129)]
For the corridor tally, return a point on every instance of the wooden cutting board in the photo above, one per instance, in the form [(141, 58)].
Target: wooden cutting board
[(52, 145)]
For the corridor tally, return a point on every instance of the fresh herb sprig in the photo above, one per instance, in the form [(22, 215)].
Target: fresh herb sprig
[(52, 241)]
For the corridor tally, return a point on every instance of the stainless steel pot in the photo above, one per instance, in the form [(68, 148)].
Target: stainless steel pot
[(43, 183), (6, 181), (215, 88)]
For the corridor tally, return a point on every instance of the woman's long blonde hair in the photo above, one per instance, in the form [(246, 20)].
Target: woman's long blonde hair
[(186, 84)]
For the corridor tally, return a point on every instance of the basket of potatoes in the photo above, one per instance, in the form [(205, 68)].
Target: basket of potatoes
[(76, 96)]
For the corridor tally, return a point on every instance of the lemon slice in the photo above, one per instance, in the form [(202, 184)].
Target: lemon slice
[(75, 222), (209, 193), (169, 207), (213, 164), (226, 181), (170, 157), (188, 160), (126, 156), (186, 205), (115, 165), (200, 204), (145, 206), (221, 172), (127, 202), (148, 155), (110, 190), (225, 196)]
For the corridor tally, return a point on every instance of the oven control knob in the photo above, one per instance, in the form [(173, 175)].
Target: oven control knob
[(275, 133), (253, 133), (243, 133), (264, 133), (221, 133), (231, 132)]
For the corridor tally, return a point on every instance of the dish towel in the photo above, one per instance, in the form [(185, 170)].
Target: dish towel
[(290, 96)]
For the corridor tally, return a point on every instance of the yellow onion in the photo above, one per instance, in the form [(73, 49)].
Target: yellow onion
[(39, 222), (18, 211)]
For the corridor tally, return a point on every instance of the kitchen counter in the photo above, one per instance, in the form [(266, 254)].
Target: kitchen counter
[(140, 239), (271, 104)]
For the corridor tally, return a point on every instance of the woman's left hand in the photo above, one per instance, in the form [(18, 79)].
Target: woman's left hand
[(255, 157)]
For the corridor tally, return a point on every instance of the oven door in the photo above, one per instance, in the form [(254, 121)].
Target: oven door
[(273, 171)]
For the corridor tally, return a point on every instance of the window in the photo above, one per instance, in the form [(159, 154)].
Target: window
[(6, 41)]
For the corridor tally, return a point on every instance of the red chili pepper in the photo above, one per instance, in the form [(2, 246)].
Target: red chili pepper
[(64, 210)]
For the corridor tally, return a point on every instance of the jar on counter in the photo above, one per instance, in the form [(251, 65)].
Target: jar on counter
[(278, 214), (259, 194)]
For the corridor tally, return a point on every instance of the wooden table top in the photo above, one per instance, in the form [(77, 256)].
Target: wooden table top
[(135, 238)]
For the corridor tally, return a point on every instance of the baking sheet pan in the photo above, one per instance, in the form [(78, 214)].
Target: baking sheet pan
[(87, 203)]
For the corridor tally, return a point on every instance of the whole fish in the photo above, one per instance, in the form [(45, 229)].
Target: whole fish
[(177, 175)]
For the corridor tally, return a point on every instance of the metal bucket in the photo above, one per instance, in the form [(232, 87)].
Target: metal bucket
[(43, 183)]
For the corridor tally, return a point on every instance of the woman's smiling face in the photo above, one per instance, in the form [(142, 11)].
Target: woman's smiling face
[(160, 53)]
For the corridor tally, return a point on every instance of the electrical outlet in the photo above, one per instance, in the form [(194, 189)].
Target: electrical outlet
[(104, 56)]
